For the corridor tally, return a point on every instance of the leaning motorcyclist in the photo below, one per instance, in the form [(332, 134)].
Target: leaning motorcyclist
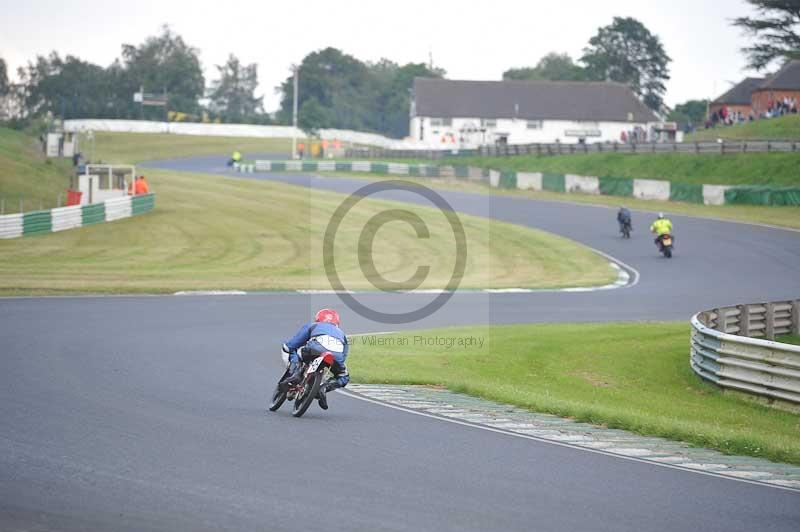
[(624, 218), (314, 338), (236, 157), (661, 226)]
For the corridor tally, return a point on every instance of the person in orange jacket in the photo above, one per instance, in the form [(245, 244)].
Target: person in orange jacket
[(141, 186)]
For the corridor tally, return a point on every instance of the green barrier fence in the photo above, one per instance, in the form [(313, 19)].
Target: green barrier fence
[(508, 180), (553, 182), (786, 196), (344, 167), (93, 214), (309, 166), (462, 172), (34, 223), (432, 171), (616, 186), (278, 166), (689, 192), (413, 170), (379, 168), (142, 204)]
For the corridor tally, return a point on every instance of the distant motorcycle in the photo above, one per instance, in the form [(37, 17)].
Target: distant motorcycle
[(307, 390), (665, 243), (625, 229)]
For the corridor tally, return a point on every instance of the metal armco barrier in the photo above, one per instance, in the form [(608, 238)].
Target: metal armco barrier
[(62, 218), (724, 349)]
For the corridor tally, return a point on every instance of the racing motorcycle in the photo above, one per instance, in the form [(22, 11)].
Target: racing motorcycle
[(625, 230), (665, 243), (303, 393)]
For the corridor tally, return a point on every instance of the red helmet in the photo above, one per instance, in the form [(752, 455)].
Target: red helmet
[(327, 315)]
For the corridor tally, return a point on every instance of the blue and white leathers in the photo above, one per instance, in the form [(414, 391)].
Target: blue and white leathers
[(322, 337)]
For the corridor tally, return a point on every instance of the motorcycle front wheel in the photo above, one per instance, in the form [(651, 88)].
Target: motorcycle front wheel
[(310, 391), (278, 397)]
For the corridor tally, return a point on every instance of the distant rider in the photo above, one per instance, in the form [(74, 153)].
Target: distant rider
[(236, 158), (662, 226), (316, 337), (624, 218)]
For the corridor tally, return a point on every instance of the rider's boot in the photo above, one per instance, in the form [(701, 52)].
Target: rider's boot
[(294, 374), (323, 391)]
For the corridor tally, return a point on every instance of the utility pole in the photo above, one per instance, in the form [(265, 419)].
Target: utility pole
[(294, 113)]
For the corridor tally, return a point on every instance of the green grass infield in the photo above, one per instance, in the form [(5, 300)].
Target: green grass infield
[(215, 233), (632, 376)]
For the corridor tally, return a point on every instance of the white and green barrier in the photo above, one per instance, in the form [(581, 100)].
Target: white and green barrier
[(646, 189), (63, 218)]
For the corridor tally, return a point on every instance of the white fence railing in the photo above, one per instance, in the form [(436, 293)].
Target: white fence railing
[(237, 130), (724, 349)]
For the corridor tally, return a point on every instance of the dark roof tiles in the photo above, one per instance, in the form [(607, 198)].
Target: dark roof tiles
[(741, 93), (529, 100), (787, 78)]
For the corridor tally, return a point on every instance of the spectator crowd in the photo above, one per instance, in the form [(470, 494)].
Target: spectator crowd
[(724, 117)]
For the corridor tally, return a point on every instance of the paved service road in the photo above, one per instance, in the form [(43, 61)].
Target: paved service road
[(148, 413)]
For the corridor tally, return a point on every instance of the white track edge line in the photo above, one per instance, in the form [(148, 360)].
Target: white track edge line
[(563, 444)]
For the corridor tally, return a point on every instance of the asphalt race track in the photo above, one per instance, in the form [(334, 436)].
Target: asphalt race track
[(148, 413)]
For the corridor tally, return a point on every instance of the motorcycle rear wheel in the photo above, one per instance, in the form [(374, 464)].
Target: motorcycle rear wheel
[(310, 391), (668, 253)]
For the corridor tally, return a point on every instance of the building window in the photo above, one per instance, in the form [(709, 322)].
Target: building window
[(489, 122), (441, 122), (534, 124)]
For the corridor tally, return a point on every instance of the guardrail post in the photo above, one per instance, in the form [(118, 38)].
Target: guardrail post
[(796, 316), (744, 320), (721, 319), (769, 321), (696, 147)]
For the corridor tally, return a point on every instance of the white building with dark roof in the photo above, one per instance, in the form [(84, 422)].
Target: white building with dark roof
[(472, 113)]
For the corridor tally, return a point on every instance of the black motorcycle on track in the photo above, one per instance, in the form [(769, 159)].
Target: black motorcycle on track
[(665, 244), (307, 390)]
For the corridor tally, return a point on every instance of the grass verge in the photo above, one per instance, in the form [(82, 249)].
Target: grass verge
[(777, 169), (131, 148), (628, 376), (793, 339), (782, 128), (212, 232), (773, 215), (25, 174)]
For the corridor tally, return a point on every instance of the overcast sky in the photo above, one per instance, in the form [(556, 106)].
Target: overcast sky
[(475, 41)]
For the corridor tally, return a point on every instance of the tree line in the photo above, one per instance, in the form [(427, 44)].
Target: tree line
[(340, 91)]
